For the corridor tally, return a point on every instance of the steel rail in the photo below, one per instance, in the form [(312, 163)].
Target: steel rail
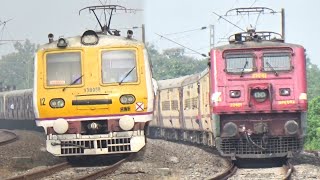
[(289, 170), (102, 172), (232, 169), (13, 137), (43, 172)]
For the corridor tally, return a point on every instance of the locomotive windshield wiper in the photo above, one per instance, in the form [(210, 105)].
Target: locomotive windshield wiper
[(275, 72), (126, 75), (244, 67), (73, 82)]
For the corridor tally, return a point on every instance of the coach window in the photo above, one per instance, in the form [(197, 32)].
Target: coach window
[(64, 69), (239, 63), (277, 62), (119, 66)]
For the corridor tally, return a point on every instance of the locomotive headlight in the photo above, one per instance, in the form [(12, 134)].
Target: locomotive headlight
[(57, 103), (291, 127), (260, 95), (127, 99), (235, 93), (89, 38), (62, 43), (284, 91), (230, 129)]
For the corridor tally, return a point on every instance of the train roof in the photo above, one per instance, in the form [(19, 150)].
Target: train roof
[(255, 44), (172, 83), (191, 79), (104, 40)]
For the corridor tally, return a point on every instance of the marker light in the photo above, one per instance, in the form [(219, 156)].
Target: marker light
[(57, 103), (284, 91), (127, 99), (235, 93)]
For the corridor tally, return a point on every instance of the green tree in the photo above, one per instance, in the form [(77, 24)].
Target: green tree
[(313, 132), (16, 69), (313, 79), (173, 63)]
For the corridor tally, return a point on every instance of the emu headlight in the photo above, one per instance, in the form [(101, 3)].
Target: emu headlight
[(235, 93), (62, 43), (89, 37), (260, 95), (57, 103), (127, 99), (284, 91), (60, 126)]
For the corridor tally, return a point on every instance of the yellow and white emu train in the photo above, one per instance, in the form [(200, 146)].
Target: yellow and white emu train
[(93, 94)]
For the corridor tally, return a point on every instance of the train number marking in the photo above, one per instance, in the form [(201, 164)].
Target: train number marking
[(287, 102), (236, 105), (259, 75), (92, 89), (42, 101)]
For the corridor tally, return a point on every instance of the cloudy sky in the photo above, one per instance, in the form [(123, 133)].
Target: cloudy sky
[(34, 19)]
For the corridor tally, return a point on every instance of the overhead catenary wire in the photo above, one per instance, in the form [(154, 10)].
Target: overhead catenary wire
[(186, 31), (224, 37), (204, 55), (221, 17)]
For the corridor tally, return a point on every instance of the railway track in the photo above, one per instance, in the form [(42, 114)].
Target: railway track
[(232, 169), (289, 170), (7, 137), (60, 170), (285, 172), (315, 153)]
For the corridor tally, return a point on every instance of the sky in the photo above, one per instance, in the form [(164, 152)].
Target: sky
[(34, 19)]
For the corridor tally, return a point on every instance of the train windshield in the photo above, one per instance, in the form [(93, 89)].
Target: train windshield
[(63, 68), (276, 62), (239, 63), (119, 66)]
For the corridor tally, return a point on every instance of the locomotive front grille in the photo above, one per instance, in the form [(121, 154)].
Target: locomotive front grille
[(77, 147), (273, 146)]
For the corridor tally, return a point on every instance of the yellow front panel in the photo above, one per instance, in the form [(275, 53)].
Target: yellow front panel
[(91, 89)]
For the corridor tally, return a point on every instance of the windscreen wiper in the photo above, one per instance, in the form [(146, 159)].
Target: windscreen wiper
[(275, 72), (244, 67), (73, 82), (126, 75)]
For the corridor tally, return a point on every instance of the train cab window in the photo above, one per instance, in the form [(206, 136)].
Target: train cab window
[(119, 66), (239, 63), (63, 68), (276, 61)]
